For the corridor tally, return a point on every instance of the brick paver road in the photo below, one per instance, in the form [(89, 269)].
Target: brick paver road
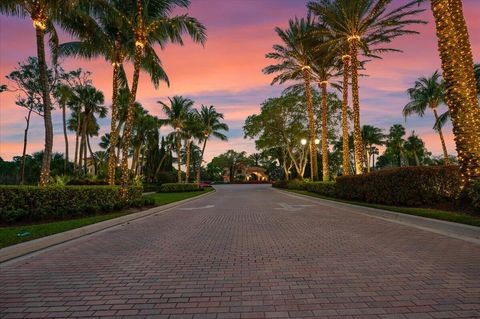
[(253, 255)]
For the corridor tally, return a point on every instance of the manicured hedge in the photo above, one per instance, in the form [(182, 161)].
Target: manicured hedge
[(33, 203), (405, 186), (179, 187), (321, 188), (409, 186)]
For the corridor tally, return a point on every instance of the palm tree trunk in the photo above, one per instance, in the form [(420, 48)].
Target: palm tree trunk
[(367, 158), (179, 146), (47, 109), (311, 125), (25, 137), (65, 135), (357, 134), (345, 145), (127, 132), (325, 173), (199, 169), (159, 166), (77, 136), (91, 155), (461, 96), (187, 164), (446, 160), (112, 160)]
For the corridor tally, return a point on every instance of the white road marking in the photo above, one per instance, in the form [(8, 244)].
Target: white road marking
[(292, 208), (195, 208)]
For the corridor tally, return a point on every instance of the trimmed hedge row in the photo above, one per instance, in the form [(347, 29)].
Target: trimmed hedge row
[(409, 186), (33, 203), (179, 187), (405, 186)]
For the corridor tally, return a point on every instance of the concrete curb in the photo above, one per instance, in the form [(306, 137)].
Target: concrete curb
[(18, 250), (455, 230)]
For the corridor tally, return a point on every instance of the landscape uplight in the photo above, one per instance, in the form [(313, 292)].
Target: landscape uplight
[(303, 141)]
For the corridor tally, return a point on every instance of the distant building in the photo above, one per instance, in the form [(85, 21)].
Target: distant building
[(246, 173)]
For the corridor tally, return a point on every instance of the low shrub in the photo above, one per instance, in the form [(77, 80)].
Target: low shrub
[(321, 188), (179, 187), (33, 203), (409, 186), (297, 184), (280, 184)]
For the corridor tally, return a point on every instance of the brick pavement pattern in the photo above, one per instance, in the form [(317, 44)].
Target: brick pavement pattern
[(253, 255)]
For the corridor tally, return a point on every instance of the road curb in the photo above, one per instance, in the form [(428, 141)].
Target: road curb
[(22, 249), (455, 230)]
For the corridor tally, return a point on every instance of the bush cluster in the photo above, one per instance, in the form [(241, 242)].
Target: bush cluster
[(179, 187), (33, 203), (321, 188), (89, 182), (473, 192), (409, 186)]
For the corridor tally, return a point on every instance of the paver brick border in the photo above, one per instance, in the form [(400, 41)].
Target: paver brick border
[(25, 248), (455, 230)]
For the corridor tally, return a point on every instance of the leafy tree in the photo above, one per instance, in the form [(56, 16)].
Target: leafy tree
[(428, 92), (230, 161), (363, 25), (26, 81)]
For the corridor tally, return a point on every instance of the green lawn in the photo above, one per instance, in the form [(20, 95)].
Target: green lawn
[(8, 235), (423, 212)]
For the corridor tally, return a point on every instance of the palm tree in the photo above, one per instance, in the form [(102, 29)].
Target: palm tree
[(325, 68), (191, 130), (427, 92), (63, 93), (88, 101), (295, 62), (363, 25), (395, 142), (371, 136), (211, 125), (177, 114), (103, 37), (151, 23), (461, 93), (415, 146), (42, 13)]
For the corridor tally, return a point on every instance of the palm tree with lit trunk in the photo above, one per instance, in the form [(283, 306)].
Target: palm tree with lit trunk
[(102, 37), (43, 13), (363, 25), (149, 24), (461, 95), (427, 92), (294, 58), (176, 116), (211, 126)]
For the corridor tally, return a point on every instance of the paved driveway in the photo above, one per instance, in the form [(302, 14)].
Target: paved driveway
[(249, 252)]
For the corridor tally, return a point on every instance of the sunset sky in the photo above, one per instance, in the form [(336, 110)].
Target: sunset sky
[(227, 73)]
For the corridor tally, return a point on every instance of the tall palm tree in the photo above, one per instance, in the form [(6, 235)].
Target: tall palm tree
[(191, 130), (415, 146), (294, 58), (211, 125), (427, 92), (63, 93), (42, 13), (363, 25), (102, 37), (461, 88), (371, 136), (151, 23), (177, 114), (325, 68)]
